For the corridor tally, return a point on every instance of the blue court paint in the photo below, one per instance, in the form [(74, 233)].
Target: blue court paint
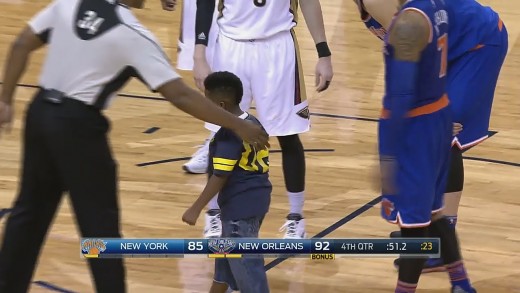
[(52, 287), (332, 227), (187, 158), (151, 130)]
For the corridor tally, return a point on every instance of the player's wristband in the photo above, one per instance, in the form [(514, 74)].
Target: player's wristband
[(323, 49)]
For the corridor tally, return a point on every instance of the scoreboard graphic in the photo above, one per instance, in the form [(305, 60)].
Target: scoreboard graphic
[(317, 249)]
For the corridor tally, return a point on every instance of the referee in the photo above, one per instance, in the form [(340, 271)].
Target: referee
[(95, 47)]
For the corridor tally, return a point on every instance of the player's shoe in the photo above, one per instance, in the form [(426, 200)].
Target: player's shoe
[(458, 289), (213, 227), (294, 227), (198, 164), (432, 265), (395, 234)]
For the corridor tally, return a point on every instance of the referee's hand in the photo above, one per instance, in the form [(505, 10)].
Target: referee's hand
[(253, 134), (6, 116)]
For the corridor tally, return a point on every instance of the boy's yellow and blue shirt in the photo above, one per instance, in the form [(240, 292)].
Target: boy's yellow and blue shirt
[(247, 192)]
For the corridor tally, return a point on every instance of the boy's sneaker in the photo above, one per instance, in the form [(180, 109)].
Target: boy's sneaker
[(294, 227), (213, 227)]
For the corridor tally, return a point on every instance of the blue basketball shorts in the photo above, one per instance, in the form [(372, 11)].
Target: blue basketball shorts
[(471, 83), (422, 169)]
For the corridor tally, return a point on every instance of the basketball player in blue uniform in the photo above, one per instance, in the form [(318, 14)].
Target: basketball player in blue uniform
[(415, 133), (239, 174), (476, 51)]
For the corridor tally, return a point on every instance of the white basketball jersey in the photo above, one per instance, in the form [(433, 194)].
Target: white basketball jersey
[(256, 19)]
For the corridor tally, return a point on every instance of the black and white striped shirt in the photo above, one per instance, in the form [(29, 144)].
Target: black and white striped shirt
[(95, 47)]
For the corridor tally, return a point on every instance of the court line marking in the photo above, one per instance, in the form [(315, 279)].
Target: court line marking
[(331, 228), (187, 158), (52, 287), (151, 130)]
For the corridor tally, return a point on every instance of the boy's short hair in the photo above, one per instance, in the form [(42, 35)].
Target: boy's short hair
[(225, 82)]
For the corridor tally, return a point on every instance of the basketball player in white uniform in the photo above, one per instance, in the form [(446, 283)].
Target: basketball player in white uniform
[(186, 46), (257, 43)]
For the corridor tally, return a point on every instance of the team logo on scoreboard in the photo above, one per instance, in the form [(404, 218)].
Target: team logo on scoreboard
[(221, 246), (92, 248)]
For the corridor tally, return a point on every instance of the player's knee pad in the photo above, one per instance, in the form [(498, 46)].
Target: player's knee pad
[(416, 232), (450, 251), (290, 143), (456, 173)]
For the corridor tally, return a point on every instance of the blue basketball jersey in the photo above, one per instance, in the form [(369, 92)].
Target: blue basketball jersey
[(471, 24), (431, 77), (373, 25)]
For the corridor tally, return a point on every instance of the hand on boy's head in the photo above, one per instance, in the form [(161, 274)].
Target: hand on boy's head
[(190, 216)]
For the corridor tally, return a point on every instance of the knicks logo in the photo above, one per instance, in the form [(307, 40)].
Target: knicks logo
[(93, 246), (387, 206), (304, 113)]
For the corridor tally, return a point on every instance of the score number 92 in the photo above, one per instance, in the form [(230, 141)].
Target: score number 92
[(322, 246)]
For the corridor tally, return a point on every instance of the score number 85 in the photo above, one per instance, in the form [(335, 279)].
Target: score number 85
[(321, 246)]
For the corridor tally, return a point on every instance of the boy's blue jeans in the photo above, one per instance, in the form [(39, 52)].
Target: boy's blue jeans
[(246, 275)]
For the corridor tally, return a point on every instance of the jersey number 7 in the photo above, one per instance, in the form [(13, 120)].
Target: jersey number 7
[(442, 45)]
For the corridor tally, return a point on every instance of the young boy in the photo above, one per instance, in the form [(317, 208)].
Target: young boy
[(238, 173)]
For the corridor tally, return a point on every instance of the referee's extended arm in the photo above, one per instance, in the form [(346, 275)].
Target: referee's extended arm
[(193, 103), (16, 62)]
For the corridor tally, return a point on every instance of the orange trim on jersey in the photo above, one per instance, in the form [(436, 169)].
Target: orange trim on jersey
[(438, 105), (479, 46), (500, 28), (427, 20)]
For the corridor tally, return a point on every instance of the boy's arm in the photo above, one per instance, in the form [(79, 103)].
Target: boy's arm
[(227, 153), (214, 185)]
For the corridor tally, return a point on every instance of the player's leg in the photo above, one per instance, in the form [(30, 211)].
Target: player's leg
[(91, 176), (451, 202), (198, 163), (282, 108), (411, 206), (238, 65), (34, 208), (440, 226), (249, 273)]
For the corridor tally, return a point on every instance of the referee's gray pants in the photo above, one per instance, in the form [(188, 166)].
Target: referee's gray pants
[(65, 148)]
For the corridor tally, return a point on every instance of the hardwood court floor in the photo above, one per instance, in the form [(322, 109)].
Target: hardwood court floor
[(154, 197)]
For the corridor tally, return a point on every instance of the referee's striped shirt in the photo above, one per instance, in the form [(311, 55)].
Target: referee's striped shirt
[(95, 47)]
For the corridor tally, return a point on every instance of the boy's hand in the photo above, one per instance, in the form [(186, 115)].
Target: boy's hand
[(190, 216)]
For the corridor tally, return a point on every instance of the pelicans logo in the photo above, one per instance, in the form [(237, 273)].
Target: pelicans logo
[(221, 246), (91, 248)]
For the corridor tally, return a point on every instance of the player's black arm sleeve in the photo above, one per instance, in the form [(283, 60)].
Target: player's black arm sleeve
[(203, 20)]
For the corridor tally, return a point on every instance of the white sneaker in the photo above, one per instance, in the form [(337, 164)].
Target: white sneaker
[(213, 227), (198, 164), (294, 228)]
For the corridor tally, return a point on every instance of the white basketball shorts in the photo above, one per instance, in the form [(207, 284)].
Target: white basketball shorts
[(186, 45), (271, 73)]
